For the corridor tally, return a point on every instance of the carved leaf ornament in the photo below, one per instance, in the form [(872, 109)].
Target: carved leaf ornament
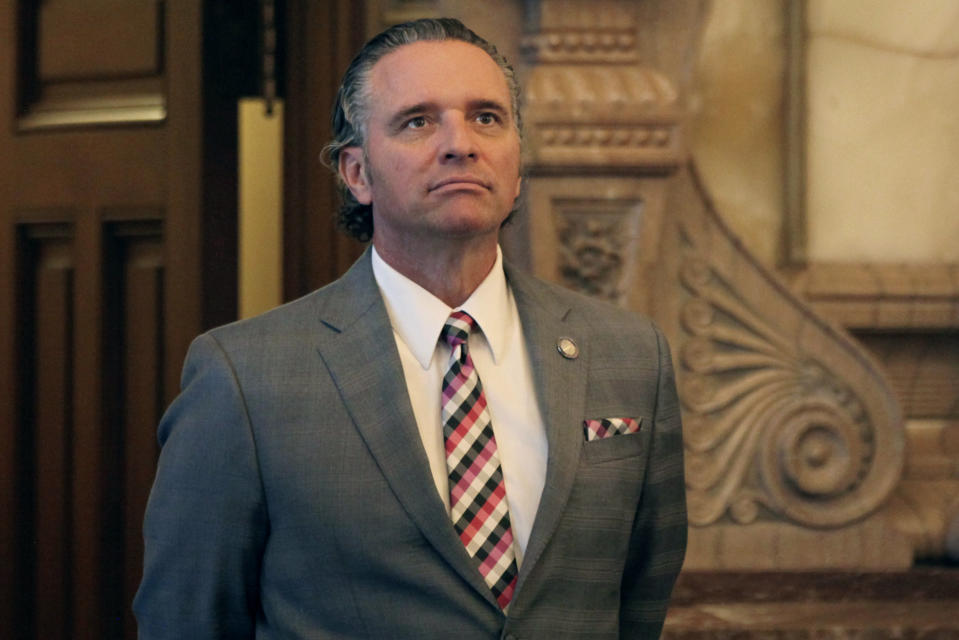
[(785, 416)]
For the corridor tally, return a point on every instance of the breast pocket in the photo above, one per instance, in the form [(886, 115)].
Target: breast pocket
[(614, 445), (599, 515)]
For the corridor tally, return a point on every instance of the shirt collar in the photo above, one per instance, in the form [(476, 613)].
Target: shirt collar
[(418, 316)]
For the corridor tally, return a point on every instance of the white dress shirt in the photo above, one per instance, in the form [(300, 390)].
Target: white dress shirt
[(502, 363)]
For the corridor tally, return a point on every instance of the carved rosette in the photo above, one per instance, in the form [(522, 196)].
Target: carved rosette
[(591, 255), (786, 418), (595, 242)]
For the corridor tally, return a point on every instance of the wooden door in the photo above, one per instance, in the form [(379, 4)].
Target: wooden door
[(321, 39), (117, 246)]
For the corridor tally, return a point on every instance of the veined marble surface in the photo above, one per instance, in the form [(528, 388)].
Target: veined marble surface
[(883, 130)]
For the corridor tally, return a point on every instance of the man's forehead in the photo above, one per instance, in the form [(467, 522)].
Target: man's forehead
[(440, 63)]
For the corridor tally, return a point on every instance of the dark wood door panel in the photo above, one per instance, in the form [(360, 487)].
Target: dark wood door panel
[(78, 40), (46, 254), (84, 63), (117, 246), (91, 170)]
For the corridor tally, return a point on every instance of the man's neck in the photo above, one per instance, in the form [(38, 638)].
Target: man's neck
[(451, 272)]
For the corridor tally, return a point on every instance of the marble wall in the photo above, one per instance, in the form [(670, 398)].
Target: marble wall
[(736, 119), (883, 130), (882, 126)]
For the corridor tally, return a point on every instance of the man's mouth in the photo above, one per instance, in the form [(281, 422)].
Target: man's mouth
[(454, 181)]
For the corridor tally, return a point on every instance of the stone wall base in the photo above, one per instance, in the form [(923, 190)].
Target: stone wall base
[(916, 604)]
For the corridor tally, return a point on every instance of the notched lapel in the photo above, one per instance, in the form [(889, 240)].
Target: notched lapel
[(561, 392), (359, 350)]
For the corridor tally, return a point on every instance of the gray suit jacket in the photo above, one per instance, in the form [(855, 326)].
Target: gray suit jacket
[(293, 498)]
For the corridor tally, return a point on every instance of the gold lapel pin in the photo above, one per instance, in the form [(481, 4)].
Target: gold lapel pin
[(567, 348)]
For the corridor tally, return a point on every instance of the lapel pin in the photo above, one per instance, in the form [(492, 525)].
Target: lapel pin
[(567, 348)]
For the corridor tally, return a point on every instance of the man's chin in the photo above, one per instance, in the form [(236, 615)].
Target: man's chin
[(466, 225), (449, 223)]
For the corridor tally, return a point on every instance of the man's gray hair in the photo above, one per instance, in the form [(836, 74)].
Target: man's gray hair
[(351, 109)]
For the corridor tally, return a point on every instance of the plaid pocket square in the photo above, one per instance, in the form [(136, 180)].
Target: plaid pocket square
[(608, 427)]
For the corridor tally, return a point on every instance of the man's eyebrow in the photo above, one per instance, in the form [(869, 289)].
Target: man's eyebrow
[(403, 114), (488, 105)]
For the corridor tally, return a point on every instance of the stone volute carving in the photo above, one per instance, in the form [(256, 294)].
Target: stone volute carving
[(793, 439), (786, 416)]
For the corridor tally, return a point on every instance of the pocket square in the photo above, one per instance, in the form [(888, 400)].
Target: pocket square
[(608, 427)]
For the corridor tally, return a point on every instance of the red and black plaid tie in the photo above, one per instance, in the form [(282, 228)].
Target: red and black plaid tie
[(477, 492)]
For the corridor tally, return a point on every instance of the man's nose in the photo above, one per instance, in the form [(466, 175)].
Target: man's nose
[(458, 141)]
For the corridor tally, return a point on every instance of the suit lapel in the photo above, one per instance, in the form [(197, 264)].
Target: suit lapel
[(359, 350), (561, 392)]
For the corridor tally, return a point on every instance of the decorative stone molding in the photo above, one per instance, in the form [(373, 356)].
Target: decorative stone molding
[(883, 296), (591, 104), (906, 315), (607, 117), (922, 368), (926, 502), (570, 136), (615, 46), (575, 32)]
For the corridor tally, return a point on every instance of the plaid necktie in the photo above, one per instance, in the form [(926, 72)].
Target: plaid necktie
[(477, 493)]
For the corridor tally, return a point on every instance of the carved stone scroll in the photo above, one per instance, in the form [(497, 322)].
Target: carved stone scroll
[(787, 418), (793, 437)]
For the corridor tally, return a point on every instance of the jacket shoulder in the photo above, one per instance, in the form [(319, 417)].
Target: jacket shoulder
[(335, 305)]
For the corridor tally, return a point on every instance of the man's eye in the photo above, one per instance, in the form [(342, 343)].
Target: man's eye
[(487, 118), (416, 123)]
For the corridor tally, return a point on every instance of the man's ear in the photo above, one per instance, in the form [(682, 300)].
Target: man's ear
[(353, 172)]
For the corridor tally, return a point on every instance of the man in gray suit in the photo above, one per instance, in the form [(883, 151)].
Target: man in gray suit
[(436, 445)]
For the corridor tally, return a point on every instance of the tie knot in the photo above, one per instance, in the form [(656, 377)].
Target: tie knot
[(457, 329)]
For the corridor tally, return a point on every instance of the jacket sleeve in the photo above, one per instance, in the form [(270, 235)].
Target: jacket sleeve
[(206, 522), (658, 543)]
